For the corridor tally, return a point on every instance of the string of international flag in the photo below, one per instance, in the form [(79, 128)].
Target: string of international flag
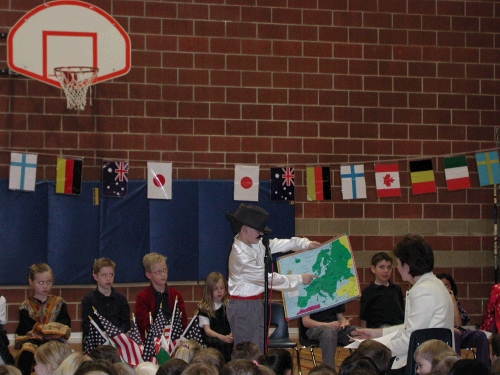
[(23, 166)]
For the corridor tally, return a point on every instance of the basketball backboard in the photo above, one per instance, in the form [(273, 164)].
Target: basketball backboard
[(68, 33)]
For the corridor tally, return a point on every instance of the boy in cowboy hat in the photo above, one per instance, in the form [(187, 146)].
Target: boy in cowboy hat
[(245, 310)]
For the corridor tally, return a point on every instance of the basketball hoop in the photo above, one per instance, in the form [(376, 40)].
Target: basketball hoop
[(75, 81)]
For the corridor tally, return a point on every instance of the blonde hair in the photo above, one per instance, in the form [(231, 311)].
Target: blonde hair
[(186, 350), (71, 363), (207, 301), (442, 364), (52, 353), (146, 368), (152, 258), (101, 263), (39, 268), (9, 370), (432, 348)]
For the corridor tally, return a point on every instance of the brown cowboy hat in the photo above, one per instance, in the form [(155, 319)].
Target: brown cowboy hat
[(251, 216)]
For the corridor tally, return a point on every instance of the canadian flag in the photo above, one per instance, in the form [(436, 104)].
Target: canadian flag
[(387, 180), (246, 183)]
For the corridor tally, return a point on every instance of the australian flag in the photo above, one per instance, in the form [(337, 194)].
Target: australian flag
[(114, 178), (283, 184)]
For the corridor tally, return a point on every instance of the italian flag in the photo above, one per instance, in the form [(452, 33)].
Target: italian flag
[(456, 173)]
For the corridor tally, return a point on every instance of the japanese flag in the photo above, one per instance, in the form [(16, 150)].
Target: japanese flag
[(246, 183), (159, 180)]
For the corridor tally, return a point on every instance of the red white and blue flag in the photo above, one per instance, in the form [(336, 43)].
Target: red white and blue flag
[(283, 184), (114, 178)]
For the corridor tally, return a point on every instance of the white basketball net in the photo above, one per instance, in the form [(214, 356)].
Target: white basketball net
[(75, 81)]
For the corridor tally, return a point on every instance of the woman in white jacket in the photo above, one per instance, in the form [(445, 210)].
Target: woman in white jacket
[(428, 302)]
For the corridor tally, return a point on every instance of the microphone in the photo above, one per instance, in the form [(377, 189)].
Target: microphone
[(265, 242)]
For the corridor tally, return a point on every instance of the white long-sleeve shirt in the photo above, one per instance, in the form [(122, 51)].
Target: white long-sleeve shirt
[(428, 305), (3, 310), (246, 267)]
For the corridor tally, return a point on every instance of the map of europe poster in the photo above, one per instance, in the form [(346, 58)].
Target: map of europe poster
[(336, 279)]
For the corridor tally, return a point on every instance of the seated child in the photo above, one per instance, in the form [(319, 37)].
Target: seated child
[(426, 353), (443, 364), (330, 328), (494, 347), (49, 357), (382, 301), (173, 366), (213, 319), (158, 295), (246, 350), (105, 299), (186, 350), (5, 356), (41, 317), (371, 350), (322, 369), (210, 357)]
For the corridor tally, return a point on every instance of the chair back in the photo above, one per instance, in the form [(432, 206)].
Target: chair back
[(421, 335), (279, 322), (303, 339)]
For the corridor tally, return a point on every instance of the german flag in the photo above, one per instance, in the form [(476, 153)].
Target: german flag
[(422, 177), (318, 183), (69, 176)]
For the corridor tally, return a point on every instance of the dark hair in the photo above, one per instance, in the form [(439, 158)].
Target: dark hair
[(414, 251), (379, 257), (210, 357), (448, 277), (245, 350), (323, 369), (173, 366), (106, 352), (359, 365), (240, 367), (278, 360), (469, 366), (96, 365), (495, 344)]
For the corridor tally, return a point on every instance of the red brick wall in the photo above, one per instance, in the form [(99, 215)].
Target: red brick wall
[(301, 82)]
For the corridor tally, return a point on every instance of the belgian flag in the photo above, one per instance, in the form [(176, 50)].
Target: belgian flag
[(69, 176), (422, 177)]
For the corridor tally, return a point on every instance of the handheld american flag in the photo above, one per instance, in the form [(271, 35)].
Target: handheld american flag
[(193, 331), (94, 338), (129, 351), (154, 333)]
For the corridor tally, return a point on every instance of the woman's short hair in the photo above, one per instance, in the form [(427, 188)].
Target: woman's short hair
[(414, 251)]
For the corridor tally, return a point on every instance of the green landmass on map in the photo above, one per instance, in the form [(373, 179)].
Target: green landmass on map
[(332, 265)]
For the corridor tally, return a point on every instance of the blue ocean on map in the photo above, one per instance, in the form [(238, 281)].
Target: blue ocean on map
[(336, 279)]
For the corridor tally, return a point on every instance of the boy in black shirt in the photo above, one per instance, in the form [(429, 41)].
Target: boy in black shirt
[(382, 301)]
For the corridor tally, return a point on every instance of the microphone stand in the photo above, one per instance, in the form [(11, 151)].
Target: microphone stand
[(267, 261)]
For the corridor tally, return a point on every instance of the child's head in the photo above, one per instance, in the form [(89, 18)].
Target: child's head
[(156, 269), (278, 360), (245, 350), (441, 365), (50, 355), (381, 267), (210, 357), (123, 368), (495, 346), (240, 367), (103, 272), (448, 282), (186, 350), (174, 366), (40, 278), (215, 291), (249, 222), (71, 363), (323, 369), (106, 352), (378, 352), (199, 369), (9, 370), (425, 354), (146, 368)]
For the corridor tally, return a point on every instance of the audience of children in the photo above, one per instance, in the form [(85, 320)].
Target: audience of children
[(240, 367), (105, 299), (210, 357), (322, 369), (123, 368), (212, 312), (146, 368), (382, 301), (9, 370), (158, 295), (469, 367), (108, 353), (41, 317), (199, 369), (173, 366), (71, 363), (246, 350)]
